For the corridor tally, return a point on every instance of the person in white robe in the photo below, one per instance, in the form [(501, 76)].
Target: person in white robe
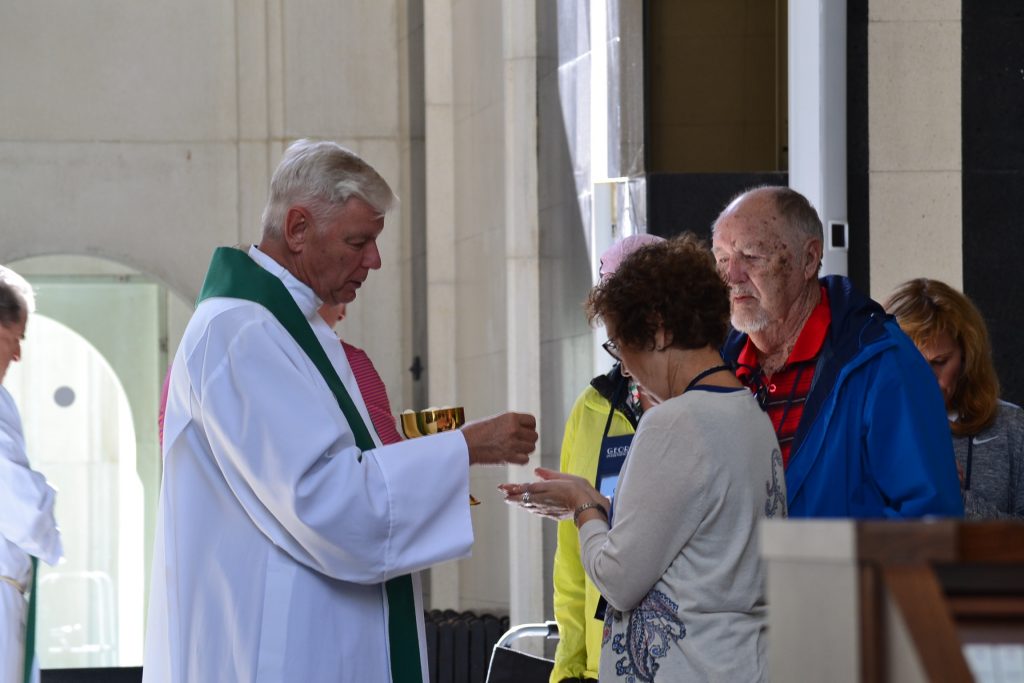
[(27, 525), (280, 537)]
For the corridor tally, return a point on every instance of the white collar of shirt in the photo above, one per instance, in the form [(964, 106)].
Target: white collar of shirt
[(309, 303)]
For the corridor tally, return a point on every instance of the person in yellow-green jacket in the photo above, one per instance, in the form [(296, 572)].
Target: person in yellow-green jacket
[(594, 446)]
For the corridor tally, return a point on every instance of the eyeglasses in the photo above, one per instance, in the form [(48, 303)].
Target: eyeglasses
[(613, 349)]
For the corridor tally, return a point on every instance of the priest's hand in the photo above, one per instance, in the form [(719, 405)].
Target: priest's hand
[(508, 438)]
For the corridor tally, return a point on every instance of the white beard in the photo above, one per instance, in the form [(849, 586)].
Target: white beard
[(750, 322)]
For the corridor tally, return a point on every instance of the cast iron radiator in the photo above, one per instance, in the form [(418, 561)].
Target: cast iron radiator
[(459, 644)]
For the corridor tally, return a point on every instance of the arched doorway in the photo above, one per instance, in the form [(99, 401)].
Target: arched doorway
[(88, 389)]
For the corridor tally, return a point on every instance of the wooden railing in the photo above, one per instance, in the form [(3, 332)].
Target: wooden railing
[(953, 583)]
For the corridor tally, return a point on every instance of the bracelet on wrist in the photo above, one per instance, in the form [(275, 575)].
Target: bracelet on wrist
[(580, 509)]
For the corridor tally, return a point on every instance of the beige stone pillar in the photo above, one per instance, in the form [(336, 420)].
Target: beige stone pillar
[(522, 272), (440, 225), (915, 171)]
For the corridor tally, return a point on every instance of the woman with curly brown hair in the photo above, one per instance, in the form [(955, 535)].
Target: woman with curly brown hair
[(988, 434), (676, 556)]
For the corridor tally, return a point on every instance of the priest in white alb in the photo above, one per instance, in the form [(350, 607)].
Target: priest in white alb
[(287, 537), (28, 530)]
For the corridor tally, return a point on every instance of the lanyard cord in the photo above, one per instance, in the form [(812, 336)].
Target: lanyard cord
[(614, 400), (761, 389), (702, 375), (625, 383), (792, 395), (756, 383), (967, 468)]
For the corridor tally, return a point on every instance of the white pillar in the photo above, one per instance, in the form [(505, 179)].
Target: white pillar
[(817, 118), (522, 272)]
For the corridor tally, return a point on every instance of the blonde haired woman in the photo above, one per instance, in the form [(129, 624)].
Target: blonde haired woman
[(988, 434)]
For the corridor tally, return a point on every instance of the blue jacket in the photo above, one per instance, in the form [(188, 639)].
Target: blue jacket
[(873, 440)]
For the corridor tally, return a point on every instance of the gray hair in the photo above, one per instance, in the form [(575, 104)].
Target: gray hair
[(799, 216), (16, 297), (322, 175)]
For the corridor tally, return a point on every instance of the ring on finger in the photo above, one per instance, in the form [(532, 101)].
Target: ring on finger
[(526, 497)]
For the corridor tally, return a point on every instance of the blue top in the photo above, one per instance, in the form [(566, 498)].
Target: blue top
[(873, 440)]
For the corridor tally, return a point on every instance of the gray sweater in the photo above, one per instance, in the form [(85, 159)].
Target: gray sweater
[(680, 566), (997, 467)]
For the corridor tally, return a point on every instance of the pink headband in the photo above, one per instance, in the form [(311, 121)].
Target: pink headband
[(615, 254)]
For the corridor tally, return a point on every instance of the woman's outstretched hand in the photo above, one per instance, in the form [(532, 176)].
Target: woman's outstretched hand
[(555, 494)]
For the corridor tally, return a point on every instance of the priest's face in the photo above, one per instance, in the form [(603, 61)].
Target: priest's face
[(11, 335), (342, 250)]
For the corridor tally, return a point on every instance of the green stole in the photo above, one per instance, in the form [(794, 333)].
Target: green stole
[(235, 275), (30, 625)]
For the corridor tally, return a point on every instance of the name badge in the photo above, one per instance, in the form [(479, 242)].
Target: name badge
[(613, 453)]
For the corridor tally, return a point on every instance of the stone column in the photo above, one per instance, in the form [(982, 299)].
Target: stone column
[(440, 226), (522, 272)]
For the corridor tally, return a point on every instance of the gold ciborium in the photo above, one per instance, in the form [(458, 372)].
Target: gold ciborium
[(431, 421)]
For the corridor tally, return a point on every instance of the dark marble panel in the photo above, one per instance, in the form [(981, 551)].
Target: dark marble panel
[(993, 181), (858, 256), (677, 202), (993, 84), (993, 208)]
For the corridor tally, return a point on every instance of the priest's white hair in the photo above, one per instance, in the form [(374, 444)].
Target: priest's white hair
[(16, 297), (322, 176)]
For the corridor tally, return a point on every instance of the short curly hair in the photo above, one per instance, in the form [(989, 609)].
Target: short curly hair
[(672, 284)]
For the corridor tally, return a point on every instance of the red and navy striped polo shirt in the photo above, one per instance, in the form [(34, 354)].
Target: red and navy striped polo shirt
[(786, 391)]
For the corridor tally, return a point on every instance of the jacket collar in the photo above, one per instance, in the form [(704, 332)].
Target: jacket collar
[(613, 385), (857, 323)]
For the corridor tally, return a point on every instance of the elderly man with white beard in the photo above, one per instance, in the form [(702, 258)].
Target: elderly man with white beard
[(857, 412)]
